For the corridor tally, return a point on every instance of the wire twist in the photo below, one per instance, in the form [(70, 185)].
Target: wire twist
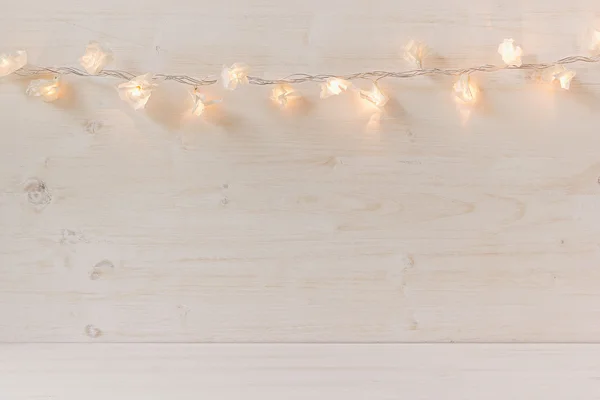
[(113, 73), (302, 78)]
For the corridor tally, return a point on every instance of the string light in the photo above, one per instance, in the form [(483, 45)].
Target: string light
[(559, 73), (200, 102), (96, 57), (282, 94), (333, 87), (565, 78), (235, 75), (10, 63), (511, 54), (375, 96), (137, 91), (47, 89), (466, 94), (414, 52), (464, 90)]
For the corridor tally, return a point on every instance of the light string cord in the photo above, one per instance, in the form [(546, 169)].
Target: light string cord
[(113, 73), (302, 78), (377, 75)]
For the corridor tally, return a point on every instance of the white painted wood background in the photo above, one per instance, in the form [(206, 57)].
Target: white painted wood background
[(315, 224)]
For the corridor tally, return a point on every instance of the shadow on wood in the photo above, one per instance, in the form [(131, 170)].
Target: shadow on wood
[(167, 107), (583, 94)]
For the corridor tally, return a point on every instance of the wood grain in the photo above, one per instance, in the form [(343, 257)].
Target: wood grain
[(183, 371), (317, 224)]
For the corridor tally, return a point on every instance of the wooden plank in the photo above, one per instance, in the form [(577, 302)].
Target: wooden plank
[(184, 371), (312, 225)]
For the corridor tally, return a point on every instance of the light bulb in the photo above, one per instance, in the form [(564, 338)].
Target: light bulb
[(559, 73), (282, 94), (200, 102), (137, 91), (594, 42), (565, 79), (47, 89), (374, 96), (236, 75), (464, 90), (96, 57), (414, 52), (511, 54), (333, 86), (10, 63)]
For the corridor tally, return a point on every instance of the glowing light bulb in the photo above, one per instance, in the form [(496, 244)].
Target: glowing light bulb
[(414, 52), (593, 41), (96, 57), (200, 102), (333, 87), (559, 73), (10, 63), (375, 96), (282, 94), (47, 89), (511, 54), (236, 75), (565, 79), (137, 91), (464, 90)]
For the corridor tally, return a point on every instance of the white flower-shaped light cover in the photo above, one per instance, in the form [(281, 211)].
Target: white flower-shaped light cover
[(511, 54), (96, 57), (375, 96), (334, 86), (10, 63), (200, 102), (282, 94), (465, 90), (47, 89), (559, 73), (236, 75), (593, 42), (137, 91), (414, 52)]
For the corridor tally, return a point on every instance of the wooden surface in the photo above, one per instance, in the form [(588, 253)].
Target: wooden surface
[(316, 224), (308, 225), (185, 371)]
